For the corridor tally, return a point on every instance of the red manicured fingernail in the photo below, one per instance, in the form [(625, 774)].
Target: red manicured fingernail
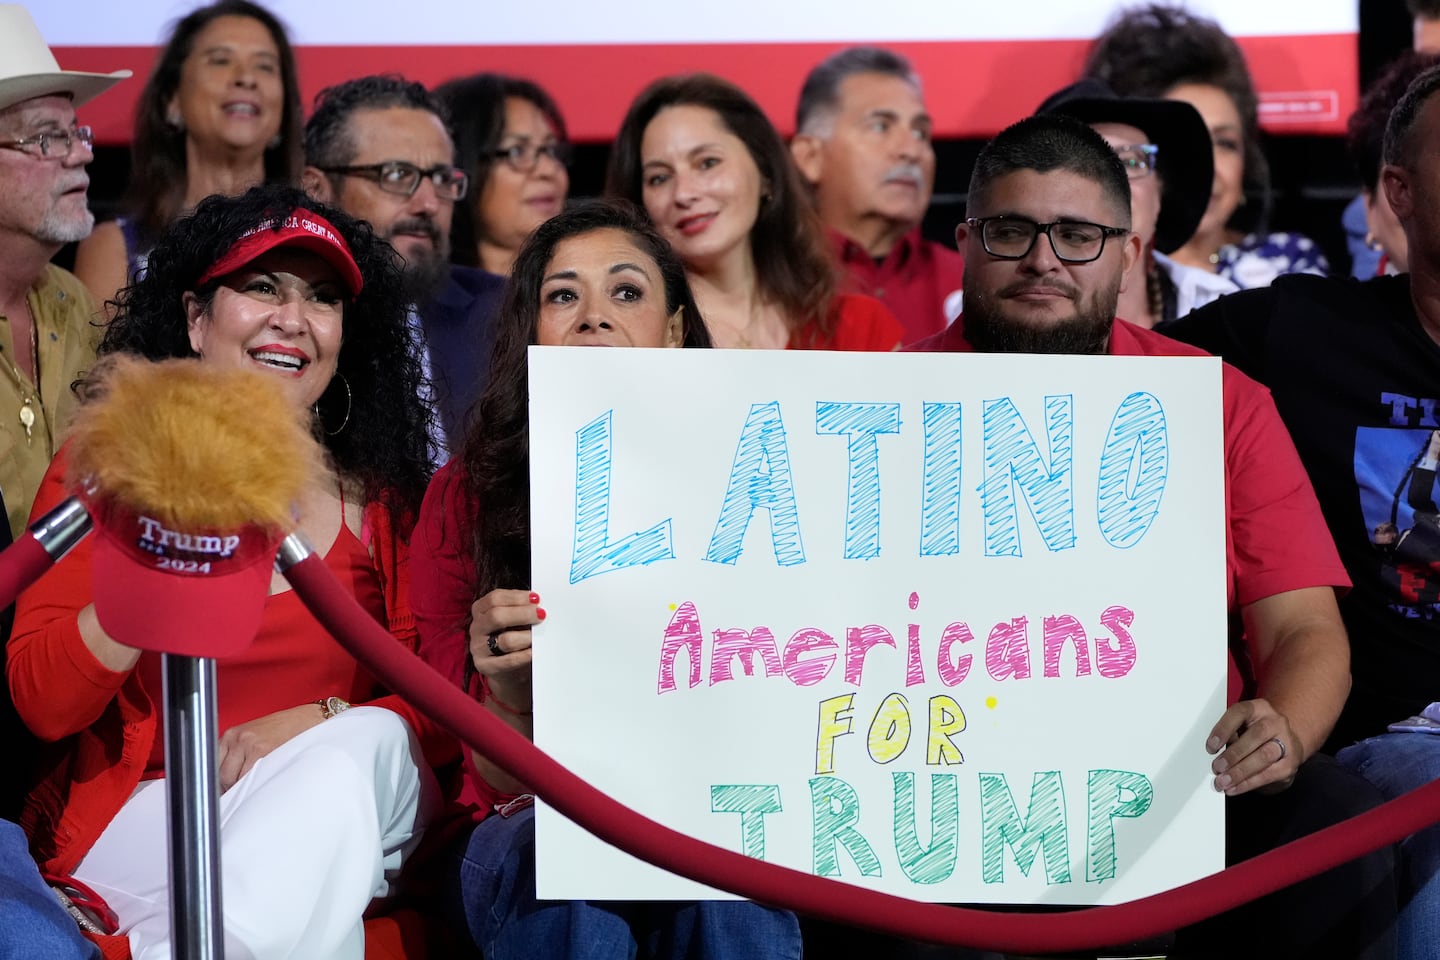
[(540, 613), (534, 598)]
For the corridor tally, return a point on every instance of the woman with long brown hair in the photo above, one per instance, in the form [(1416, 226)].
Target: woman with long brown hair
[(710, 169)]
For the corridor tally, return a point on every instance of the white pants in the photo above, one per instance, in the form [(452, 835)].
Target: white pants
[(308, 837)]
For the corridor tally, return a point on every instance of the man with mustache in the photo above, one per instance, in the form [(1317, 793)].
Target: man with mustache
[(379, 147), (47, 337), (1047, 246), (863, 142)]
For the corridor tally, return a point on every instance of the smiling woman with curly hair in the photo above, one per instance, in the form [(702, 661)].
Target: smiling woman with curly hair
[(321, 803)]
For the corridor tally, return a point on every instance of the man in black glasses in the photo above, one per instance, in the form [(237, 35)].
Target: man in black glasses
[(1046, 249), (379, 148)]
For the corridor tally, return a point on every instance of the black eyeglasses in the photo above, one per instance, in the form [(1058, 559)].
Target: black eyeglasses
[(1074, 241), (524, 157), (403, 179), (1138, 158), (53, 144)]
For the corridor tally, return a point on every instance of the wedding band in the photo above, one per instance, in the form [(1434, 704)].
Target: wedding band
[(1281, 744), (493, 641)]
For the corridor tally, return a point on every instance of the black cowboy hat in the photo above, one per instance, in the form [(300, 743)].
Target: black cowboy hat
[(1185, 159)]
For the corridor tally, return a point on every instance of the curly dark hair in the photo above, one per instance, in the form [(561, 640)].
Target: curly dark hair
[(496, 450), (1148, 51), (384, 443), (329, 141), (157, 152), (793, 266), (478, 105)]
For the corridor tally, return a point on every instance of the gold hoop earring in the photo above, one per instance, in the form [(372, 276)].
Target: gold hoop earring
[(349, 403)]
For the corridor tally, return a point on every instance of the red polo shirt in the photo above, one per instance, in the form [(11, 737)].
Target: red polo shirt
[(1276, 539), (914, 279)]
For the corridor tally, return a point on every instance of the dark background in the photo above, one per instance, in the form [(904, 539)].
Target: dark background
[(1312, 179)]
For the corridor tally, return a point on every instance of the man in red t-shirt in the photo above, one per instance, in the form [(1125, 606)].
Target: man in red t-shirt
[(863, 142), (1046, 248)]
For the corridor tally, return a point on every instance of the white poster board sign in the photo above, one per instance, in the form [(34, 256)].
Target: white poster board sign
[(949, 626)]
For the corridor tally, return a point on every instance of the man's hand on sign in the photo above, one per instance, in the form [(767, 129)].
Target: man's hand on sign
[(1260, 750), (500, 640)]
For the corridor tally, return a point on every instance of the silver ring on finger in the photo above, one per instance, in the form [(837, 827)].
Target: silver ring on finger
[(493, 642), (1281, 744)]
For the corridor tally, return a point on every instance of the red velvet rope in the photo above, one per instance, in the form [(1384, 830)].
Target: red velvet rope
[(21, 564), (802, 892)]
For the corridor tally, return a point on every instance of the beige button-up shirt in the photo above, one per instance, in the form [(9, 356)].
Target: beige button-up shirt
[(67, 332)]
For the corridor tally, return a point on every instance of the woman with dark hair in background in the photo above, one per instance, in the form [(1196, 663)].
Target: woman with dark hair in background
[(596, 275), (510, 139), (718, 182), (220, 113), (1165, 51), (321, 803)]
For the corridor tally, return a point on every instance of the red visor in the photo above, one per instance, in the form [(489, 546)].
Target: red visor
[(200, 593), (303, 229)]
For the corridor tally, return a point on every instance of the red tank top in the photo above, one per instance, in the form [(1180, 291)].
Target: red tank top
[(293, 660)]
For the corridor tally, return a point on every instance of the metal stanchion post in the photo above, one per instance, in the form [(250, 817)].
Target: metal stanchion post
[(191, 738)]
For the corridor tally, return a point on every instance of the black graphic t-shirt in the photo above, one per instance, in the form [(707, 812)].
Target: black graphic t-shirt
[(1357, 382)]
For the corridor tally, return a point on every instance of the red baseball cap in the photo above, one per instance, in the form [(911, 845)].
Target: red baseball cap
[(303, 229), (200, 593)]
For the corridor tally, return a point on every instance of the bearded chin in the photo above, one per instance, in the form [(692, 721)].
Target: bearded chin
[(56, 227), (989, 330), (424, 275)]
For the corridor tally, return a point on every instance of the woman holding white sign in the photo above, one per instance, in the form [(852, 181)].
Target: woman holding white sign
[(596, 275), (707, 165)]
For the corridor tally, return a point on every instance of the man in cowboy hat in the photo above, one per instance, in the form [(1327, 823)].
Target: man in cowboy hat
[(46, 334), (1168, 157)]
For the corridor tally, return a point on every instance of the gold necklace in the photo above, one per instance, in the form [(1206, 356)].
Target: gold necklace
[(29, 393)]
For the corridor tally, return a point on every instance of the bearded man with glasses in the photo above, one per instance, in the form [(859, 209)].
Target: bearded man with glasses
[(380, 148), (1289, 659)]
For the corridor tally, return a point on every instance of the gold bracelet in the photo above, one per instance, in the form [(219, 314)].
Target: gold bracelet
[(331, 706)]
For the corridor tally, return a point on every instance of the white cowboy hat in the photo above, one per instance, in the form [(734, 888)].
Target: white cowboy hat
[(28, 68)]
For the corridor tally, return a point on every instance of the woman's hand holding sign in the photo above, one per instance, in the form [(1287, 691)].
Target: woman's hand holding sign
[(500, 642)]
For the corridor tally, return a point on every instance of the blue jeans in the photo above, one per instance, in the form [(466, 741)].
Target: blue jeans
[(33, 925), (497, 883), (1397, 763)]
